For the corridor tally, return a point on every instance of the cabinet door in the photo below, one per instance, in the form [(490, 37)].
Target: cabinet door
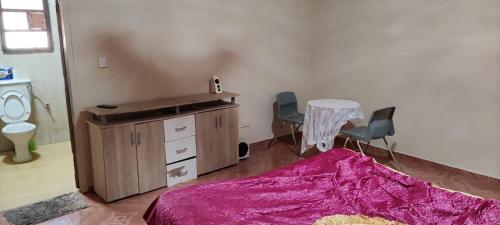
[(229, 133), (216, 139), (151, 156), (207, 124), (120, 159)]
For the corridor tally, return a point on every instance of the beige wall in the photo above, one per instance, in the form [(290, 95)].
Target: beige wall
[(45, 72), (161, 48), (437, 61)]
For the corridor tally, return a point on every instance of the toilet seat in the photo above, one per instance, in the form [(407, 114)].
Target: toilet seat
[(14, 107), (17, 128)]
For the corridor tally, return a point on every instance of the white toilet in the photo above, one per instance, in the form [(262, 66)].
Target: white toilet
[(15, 109)]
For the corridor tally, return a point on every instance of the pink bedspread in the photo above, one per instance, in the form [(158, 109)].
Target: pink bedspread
[(335, 182)]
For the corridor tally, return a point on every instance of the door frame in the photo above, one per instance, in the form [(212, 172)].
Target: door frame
[(67, 84)]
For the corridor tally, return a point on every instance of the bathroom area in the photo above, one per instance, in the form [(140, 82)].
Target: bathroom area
[(36, 159)]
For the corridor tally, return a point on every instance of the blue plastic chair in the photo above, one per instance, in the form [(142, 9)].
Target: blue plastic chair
[(380, 126), (288, 113)]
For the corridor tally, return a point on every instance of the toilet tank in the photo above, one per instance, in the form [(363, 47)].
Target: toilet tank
[(19, 85)]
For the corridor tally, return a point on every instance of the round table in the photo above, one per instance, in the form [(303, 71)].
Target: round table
[(323, 120)]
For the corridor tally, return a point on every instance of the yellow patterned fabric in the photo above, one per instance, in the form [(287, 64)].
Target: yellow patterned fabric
[(354, 220)]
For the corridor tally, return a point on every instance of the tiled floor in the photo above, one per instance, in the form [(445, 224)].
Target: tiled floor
[(50, 174), (262, 159)]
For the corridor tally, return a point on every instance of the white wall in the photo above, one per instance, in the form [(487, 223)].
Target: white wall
[(438, 62), (166, 48), (45, 71)]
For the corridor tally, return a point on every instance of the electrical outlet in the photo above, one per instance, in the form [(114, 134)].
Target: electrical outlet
[(244, 124)]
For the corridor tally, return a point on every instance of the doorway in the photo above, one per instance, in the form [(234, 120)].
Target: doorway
[(51, 170)]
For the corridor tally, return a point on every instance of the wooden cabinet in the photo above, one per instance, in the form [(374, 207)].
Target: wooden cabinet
[(216, 139), (229, 133), (139, 147), (128, 159), (120, 160), (150, 156)]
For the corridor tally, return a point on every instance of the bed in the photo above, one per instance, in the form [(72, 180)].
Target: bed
[(336, 182)]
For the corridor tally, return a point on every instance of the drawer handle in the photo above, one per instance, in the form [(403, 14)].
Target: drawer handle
[(180, 151), (177, 172), (179, 129)]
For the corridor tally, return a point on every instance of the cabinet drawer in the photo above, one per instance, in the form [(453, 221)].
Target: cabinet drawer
[(181, 172), (180, 149), (178, 128)]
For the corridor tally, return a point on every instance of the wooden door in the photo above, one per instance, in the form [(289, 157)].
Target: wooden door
[(207, 124), (120, 160), (151, 156), (229, 134), (216, 139)]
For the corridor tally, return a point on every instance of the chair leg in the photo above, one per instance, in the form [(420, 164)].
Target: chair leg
[(293, 134), (347, 139), (392, 154), (361, 149), (297, 148), (275, 135), (352, 144), (298, 127)]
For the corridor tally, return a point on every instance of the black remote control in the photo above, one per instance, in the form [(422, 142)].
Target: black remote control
[(107, 106)]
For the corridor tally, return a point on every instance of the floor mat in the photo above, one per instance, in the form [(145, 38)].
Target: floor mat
[(46, 210)]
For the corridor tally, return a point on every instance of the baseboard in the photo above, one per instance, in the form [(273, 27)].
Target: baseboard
[(426, 162), (265, 142), (259, 144), (379, 151)]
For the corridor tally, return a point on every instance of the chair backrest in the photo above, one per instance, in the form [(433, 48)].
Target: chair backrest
[(287, 104), (381, 124)]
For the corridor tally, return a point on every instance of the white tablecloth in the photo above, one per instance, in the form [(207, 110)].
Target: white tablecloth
[(323, 120)]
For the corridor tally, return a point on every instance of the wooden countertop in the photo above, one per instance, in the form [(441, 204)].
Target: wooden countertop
[(160, 104), (156, 117)]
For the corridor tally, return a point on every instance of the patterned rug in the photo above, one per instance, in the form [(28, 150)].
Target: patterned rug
[(355, 220), (46, 209)]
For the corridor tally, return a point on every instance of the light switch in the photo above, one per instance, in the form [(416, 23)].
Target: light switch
[(103, 62)]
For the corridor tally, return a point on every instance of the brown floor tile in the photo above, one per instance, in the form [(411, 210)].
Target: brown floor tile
[(262, 159)]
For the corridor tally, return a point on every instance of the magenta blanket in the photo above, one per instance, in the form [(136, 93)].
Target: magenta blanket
[(335, 182)]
